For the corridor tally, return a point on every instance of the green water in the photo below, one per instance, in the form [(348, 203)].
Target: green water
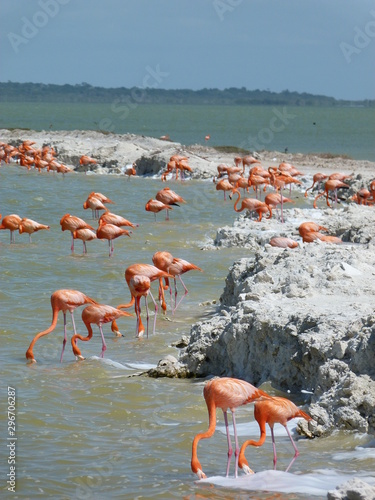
[(348, 131), (92, 429)]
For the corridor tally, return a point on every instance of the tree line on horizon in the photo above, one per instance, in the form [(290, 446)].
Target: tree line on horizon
[(86, 93)]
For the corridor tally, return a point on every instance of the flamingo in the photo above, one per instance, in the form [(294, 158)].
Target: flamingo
[(171, 165), (110, 232), (312, 236), (30, 226), (307, 227), (274, 199), (156, 206), (283, 242), (139, 286), (251, 204), (224, 393), (87, 160), (153, 273), (280, 179), (84, 234), (362, 197), (63, 300), (257, 180), (100, 196), (224, 185), (330, 185), (97, 314), (169, 197), (117, 220), (248, 160), (176, 267), (95, 204), (12, 223), (317, 179), (130, 170), (271, 411), (338, 176), (72, 223)]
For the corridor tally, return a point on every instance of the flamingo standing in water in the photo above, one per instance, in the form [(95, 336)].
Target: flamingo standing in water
[(61, 300), (95, 204), (97, 314), (139, 286), (110, 232), (225, 393), (156, 206), (30, 226), (224, 185), (12, 223), (176, 267), (72, 223), (271, 411), (169, 197), (153, 273), (84, 234)]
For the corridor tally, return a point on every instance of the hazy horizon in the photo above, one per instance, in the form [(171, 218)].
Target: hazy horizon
[(317, 47)]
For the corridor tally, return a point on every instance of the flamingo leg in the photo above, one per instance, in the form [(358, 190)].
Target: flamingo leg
[(65, 336), (147, 316), (29, 238), (140, 327), (186, 292), (296, 452), (72, 245), (84, 247), (274, 449), (104, 345), (230, 449), (237, 448), (156, 311)]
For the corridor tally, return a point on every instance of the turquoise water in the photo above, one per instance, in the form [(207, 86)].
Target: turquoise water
[(94, 429), (348, 131)]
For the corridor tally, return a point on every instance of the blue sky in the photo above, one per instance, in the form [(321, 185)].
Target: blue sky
[(322, 47)]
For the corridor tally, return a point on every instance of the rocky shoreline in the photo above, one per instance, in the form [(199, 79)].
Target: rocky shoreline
[(302, 318), (114, 151)]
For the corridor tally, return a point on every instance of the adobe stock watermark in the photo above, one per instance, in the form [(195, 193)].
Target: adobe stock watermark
[(278, 123), (31, 26), (362, 38), (223, 7), (123, 106)]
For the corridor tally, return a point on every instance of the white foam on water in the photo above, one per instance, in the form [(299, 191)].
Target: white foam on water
[(316, 483), (127, 366), (359, 453)]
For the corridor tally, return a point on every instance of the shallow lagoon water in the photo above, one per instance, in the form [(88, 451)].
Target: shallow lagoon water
[(95, 428)]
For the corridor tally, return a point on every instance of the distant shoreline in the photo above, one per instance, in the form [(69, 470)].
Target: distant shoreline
[(86, 93)]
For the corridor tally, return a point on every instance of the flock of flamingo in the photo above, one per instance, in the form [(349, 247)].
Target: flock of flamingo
[(231, 179), (225, 393)]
